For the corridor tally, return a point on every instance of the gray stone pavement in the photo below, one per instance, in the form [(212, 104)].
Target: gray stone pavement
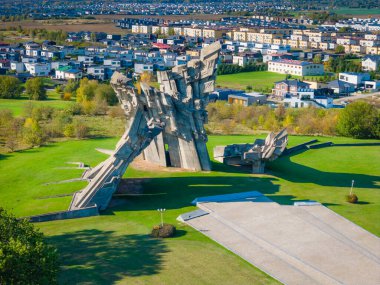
[(295, 245)]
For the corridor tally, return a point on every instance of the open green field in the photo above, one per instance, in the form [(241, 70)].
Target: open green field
[(256, 79), (115, 247), (356, 11), (17, 105)]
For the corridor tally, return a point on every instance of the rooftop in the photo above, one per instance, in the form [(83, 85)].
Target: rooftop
[(291, 61)]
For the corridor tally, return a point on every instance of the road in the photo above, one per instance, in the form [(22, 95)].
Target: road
[(356, 96)]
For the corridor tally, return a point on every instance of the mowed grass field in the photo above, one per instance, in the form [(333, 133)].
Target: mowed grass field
[(17, 106), (356, 11), (256, 79), (115, 247)]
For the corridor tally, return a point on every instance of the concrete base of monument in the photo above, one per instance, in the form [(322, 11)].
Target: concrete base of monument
[(301, 244), (64, 215)]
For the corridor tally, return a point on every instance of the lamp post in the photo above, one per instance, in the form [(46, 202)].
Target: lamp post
[(162, 216), (352, 186)]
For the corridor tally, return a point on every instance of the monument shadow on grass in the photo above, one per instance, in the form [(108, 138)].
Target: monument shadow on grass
[(102, 257), (178, 192), (297, 173)]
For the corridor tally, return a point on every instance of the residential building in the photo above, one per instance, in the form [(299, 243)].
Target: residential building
[(97, 72), (247, 99), (371, 63), (295, 67), (307, 98), (373, 85), (356, 79), (38, 69), (143, 67), (341, 88), (67, 72), (288, 86), (17, 66)]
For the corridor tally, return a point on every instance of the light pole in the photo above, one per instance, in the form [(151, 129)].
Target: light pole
[(162, 216), (352, 186)]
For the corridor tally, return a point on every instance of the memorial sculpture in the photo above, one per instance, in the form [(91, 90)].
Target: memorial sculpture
[(256, 154), (172, 116)]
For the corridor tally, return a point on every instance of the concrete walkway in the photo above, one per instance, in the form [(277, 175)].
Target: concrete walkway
[(294, 244)]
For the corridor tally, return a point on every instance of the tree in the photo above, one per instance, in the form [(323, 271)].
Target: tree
[(25, 258), (10, 87), (106, 92), (317, 59), (93, 37), (71, 87), (32, 133), (35, 89), (359, 120), (86, 90), (171, 32), (339, 49)]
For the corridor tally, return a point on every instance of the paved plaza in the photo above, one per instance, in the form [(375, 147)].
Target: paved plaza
[(306, 244)]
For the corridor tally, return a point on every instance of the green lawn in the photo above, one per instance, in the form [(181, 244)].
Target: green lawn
[(17, 105), (115, 248), (356, 11), (256, 79)]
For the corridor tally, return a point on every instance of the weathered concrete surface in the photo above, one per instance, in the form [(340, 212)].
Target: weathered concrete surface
[(188, 87), (256, 154), (64, 215), (177, 110), (296, 245)]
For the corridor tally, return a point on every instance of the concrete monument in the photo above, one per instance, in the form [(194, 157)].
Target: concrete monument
[(256, 154), (172, 116)]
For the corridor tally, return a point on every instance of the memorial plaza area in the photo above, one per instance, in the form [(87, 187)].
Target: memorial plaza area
[(304, 243)]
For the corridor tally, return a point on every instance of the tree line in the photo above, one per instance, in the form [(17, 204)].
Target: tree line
[(12, 88), (358, 120), (225, 68), (40, 123), (40, 33)]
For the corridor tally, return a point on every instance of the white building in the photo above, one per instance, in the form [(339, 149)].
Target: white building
[(38, 69), (97, 72), (67, 72), (372, 85), (353, 78), (141, 29), (371, 63), (17, 66), (86, 59), (306, 98), (240, 60), (141, 67), (295, 67), (112, 62)]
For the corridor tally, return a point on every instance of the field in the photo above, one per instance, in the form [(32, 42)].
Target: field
[(356, 11), (67, 25), (17, 105), (115, 248), (257, 79)]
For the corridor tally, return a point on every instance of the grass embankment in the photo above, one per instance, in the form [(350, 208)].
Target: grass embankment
[(114, 247)]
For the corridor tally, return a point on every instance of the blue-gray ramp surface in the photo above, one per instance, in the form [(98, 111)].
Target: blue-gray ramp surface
[(304, 244)]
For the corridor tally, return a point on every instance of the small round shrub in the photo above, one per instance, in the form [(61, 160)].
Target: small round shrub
[(165, 231), (352, 198)]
